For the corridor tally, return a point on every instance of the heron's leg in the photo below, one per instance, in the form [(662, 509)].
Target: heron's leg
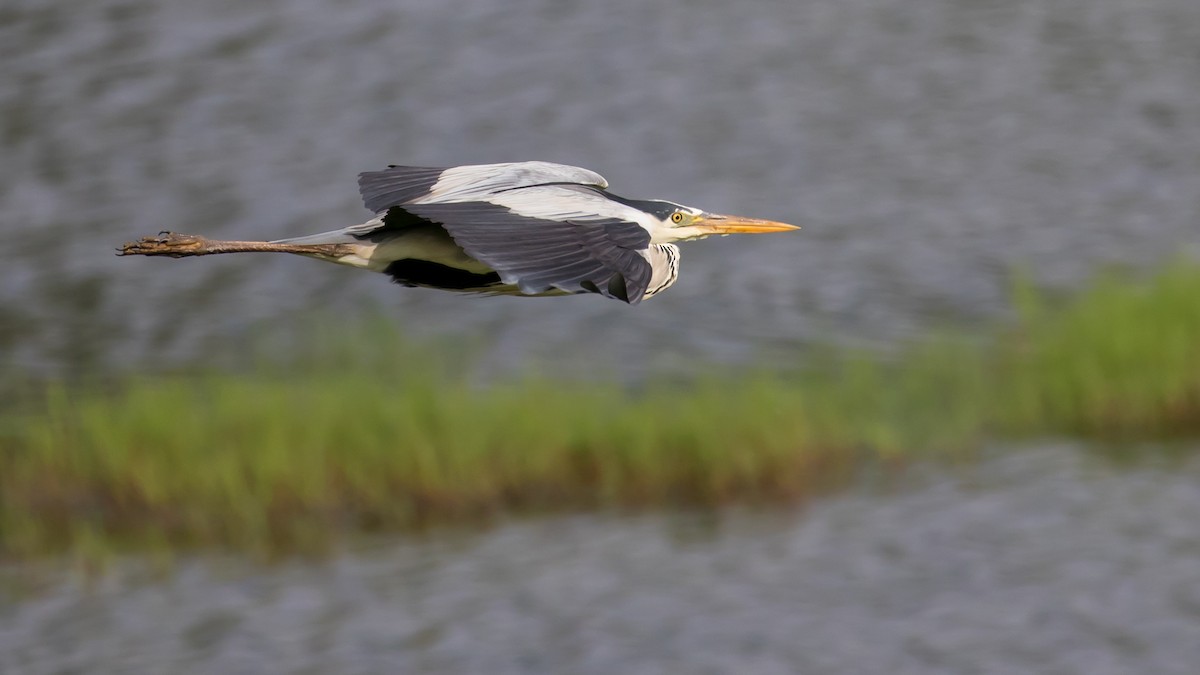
[(183, 245)]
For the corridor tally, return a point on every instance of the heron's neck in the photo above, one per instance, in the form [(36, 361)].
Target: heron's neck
[(664, 261)]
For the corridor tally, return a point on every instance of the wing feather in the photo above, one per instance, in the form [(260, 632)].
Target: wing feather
[(400, 185), (540, 225), (601, 256), (396, 185)]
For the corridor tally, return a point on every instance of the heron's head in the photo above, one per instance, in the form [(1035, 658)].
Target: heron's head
[(680, 223)]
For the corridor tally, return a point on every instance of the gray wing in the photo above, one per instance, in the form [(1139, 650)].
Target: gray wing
[(606, 256), (400, 185), (396, 185)]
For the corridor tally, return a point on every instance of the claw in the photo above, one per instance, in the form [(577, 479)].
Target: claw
[(165, 243)]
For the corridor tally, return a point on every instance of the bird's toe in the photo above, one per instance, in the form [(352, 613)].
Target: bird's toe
[(164, 243)]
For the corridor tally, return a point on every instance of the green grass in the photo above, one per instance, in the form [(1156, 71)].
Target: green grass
[(286, 458)]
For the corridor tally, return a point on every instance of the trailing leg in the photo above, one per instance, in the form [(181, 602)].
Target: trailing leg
[(184, 245)]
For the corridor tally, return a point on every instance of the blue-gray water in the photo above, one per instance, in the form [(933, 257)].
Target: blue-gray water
[(1038, 561), (926, 146)]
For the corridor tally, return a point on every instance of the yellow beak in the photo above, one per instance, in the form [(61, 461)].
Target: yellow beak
[(717, 224)]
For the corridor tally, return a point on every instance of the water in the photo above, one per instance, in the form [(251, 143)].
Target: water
[(1037, 561), (926, 146)]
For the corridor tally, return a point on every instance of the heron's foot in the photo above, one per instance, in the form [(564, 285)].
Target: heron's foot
[(166, 243)]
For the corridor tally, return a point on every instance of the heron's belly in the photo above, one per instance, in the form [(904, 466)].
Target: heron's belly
[(428, 257), (430, 244)]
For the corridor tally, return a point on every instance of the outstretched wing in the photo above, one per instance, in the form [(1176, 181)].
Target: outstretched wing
[(540, 225), (598, 255), (400, 185)]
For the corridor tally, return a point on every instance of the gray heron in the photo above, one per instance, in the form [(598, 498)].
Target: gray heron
[(521, 228)]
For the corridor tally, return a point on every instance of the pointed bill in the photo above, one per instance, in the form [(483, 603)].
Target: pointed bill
[(713, 223)]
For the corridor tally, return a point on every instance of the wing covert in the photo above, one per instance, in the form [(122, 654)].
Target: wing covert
[(400, 185)]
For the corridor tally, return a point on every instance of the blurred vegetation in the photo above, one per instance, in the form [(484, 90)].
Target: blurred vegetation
[(373, 432)]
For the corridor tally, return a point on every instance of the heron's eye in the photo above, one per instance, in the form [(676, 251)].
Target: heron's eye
[(677, 217)]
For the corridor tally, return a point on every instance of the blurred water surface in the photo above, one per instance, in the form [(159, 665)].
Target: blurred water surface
[(926, 146), (1038, 561)]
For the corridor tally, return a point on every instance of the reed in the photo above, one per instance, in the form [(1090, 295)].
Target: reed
[(293, 455)]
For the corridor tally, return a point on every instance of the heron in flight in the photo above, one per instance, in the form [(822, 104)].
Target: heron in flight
[(522, 228)]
